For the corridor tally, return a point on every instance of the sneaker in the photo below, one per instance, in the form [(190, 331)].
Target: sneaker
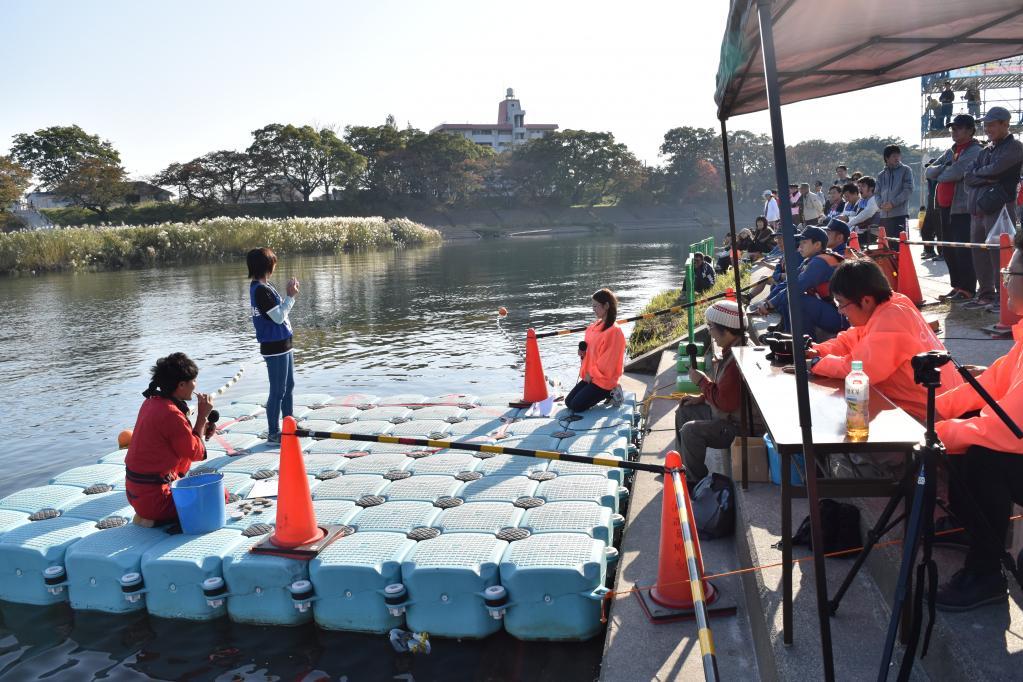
[(617, 396), (273, 438), (960, 296), (995, 308), (978, 302), (947, 296), (927, 255), (968, 590)]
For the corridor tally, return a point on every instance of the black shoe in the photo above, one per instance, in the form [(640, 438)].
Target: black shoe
[(943, 537), (772, 328), (968, 590)]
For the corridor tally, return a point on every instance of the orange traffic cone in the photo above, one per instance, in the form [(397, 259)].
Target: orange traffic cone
[(908, 285), (535, 389), (729, 294), (296, 520), (673, 588), (882, 239), (854, 241), (1006, 318)]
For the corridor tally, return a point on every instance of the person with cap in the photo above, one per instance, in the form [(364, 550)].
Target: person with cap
[(711, 419), (812, 282), (838, 236), (992, 185), (771, 210), (949, 170), (993, 459), (894, 188), (886, 331)]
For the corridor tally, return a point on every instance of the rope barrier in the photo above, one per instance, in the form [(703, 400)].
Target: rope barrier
[(478, 447), (960, 245), (648, 316)]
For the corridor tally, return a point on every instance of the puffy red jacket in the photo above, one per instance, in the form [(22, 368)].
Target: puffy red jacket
[(162, 449)]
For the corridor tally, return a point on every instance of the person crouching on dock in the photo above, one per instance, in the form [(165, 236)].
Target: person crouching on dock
[(273, 331), (164, 444), (604, 356)]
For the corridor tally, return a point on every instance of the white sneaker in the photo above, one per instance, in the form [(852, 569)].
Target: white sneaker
[(617, 396)]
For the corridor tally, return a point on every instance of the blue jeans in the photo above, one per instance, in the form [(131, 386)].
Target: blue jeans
[(281, 370), (584, 396), (816, 313)]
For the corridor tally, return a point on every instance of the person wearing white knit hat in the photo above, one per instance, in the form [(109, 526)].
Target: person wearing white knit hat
[(711, 419)]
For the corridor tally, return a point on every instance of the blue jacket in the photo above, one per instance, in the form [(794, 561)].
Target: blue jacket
[(812, 273), (267, 330)]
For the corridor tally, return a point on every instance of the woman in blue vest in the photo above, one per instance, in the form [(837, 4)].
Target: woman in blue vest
[(273, 331)]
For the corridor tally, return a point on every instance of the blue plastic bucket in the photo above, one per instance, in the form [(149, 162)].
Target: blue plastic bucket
[(774, 464), (200, 503)]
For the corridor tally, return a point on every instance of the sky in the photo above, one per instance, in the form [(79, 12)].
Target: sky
[(169, 81)]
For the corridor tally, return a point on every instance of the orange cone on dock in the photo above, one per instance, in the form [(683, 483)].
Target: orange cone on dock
[(1006, 318), (296, 520), (674, 588), (908, 285), (535, 389)]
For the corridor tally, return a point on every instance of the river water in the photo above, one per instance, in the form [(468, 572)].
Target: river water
[(74, 356)]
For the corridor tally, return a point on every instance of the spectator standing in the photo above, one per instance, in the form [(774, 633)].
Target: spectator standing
[(864, 222), (842, 176), (946, 98), (994, 177), (796, 204), (818, 189), (928, 224), (950, 196), (894, 188), (972, 98), (934, 113), (813, 208), (771, 211)]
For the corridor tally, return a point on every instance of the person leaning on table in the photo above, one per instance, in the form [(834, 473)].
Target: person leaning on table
[(990, 459)]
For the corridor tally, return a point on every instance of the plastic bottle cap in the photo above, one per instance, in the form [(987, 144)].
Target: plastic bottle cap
[(857, 365)]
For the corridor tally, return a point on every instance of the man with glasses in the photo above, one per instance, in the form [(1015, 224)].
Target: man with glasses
[(886, 331), (990, 458)]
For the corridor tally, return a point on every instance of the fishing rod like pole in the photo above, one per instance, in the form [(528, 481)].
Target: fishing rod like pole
[(478, 447), (728, 293)]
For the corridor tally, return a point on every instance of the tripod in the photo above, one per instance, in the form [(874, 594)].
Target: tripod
[(920, 528)]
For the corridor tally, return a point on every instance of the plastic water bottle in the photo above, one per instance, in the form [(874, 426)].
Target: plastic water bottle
[(857, 396)]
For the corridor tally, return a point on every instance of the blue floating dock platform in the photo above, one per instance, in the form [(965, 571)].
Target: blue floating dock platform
[(453, 542)]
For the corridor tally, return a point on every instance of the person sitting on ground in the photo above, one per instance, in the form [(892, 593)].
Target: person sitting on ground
[(703, 273), (164, 444), (723, 255), (886, 331), (711, 419), (838, 237), (864, 221), (602, 363), (991, 463), (835, 206), (819, 312)]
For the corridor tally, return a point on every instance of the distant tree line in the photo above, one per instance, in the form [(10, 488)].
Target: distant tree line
[(374, 165)]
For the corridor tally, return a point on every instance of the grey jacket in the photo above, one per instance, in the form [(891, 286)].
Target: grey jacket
[(894, 185), (947, 169), (995, 164)]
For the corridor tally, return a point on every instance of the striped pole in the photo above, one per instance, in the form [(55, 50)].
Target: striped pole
[(649, 316), (961, 245), (710, 661), (479, 447)]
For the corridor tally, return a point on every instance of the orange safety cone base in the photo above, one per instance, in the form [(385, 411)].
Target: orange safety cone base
[(307, 551), (723, 605), (535, 387)]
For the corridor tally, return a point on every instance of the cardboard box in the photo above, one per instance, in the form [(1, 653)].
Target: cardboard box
[(758, 471)]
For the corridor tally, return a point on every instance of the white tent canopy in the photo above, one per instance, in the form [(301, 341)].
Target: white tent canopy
[(827, 48)]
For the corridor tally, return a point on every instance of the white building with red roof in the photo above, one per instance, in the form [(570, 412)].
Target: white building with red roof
[(510, 130)]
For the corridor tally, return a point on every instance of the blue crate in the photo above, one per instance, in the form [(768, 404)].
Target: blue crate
[(774, 464)]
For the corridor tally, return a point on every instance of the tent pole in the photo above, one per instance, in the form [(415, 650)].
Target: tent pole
[(744, 425), (796, 325)]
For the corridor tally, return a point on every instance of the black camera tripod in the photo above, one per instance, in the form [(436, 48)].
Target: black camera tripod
[(920, 528)]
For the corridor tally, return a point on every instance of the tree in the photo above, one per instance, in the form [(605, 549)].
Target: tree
[(288, 152), (685, 148), (94, 184), (337, 164), (376, 144), (229, 172), (52, 153), (14, 180), (440, 166)]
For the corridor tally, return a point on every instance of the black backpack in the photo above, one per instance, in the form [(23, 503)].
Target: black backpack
[(713, 501), (841, 525)]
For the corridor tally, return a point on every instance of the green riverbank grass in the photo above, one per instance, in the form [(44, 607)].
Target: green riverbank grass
[(212, 240), (649, 334)]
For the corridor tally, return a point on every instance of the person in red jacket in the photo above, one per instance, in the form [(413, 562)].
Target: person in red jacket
[(887, 331), (990, 459), (164, 443), (603, 358), (711, 419)]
